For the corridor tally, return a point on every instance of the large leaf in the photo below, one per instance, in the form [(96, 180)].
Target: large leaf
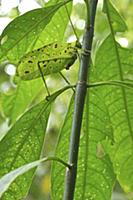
[(117, 63), (8, 179), (23, 144), (95, 176), (22, 33)]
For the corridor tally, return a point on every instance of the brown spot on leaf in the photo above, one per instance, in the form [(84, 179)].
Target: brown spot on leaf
[(26, 72), (30, 61)]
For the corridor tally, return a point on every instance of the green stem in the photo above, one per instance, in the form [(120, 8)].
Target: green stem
[(52, 158), (80, 94)]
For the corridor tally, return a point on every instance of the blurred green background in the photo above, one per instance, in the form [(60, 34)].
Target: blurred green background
[(9, 9)]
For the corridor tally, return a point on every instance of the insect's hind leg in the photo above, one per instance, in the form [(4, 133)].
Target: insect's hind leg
[(66, 80), (44, 81)]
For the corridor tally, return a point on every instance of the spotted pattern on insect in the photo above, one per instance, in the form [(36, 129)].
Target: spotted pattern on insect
[(52, 58)]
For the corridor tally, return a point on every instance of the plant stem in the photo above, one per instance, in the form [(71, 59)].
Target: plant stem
[(80, 94)]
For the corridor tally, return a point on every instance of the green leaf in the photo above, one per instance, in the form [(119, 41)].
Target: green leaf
[(14, 104), (51, 2), (95, 176), (22, 33), (117, 20), (114, 62), (113, 65), (55, 30), (7, 179), (22, 144)]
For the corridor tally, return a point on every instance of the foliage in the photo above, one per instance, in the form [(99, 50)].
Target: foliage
[(106, 141)]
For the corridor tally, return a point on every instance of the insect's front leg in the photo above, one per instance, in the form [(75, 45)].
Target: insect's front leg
[(86, 52), (44, 81)]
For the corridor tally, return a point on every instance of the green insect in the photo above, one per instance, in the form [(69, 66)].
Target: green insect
[(49, 59)]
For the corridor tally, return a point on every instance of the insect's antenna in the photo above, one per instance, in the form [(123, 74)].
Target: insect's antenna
[(71, 22)]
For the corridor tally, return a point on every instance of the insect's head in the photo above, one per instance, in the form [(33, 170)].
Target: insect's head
[(78, 44)]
